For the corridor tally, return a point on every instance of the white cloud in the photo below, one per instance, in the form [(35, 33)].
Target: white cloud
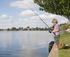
[(5, 21), (49, 17), (27, 13), (25, 4), (4, 16)]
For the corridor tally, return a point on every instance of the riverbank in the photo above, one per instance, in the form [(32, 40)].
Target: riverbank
[(65, 37), (54, 51)]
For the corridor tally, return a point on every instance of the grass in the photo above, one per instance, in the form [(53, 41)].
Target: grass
[(65, 37)]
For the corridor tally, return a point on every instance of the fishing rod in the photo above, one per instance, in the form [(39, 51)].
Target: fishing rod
[(46, 25), (43, 22)]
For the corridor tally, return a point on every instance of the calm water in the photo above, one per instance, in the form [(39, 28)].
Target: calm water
[(24, 43)]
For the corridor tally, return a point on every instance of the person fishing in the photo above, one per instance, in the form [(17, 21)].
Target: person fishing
[(56, 28), (56, 31)]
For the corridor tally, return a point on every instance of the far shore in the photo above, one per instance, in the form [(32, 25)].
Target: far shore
[(24, 29)]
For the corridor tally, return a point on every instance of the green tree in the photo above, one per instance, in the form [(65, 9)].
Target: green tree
[(13, 28), (60, 7)]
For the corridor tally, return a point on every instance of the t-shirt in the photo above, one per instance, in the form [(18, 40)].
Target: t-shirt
[(57, 27)]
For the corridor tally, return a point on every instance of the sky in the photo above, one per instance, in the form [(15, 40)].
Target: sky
[(23, 13)]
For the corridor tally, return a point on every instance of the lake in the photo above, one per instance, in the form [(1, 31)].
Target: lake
[(24, 43)]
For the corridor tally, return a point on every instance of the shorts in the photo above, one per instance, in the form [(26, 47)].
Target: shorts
[(56, 39)]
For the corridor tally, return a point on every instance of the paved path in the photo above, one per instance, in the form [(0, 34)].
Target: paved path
[(54, 51)]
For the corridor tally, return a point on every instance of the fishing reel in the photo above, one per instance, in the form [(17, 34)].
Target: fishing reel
[(50, 30)]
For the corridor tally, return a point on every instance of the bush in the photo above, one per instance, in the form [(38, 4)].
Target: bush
[(65, 26)]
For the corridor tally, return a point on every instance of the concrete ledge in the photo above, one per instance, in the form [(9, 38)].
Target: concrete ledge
[(54, 51)]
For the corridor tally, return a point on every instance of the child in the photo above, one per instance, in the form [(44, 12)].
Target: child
[(56, 31)]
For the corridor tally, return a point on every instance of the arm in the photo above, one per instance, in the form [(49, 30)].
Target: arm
[(56, 28)]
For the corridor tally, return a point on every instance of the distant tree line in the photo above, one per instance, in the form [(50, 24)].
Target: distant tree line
[(63, 27), (23, 29)]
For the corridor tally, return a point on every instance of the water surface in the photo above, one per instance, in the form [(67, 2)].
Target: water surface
[(24, 43)]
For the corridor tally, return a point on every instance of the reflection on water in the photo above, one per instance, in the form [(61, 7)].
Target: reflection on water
[(24, 43)]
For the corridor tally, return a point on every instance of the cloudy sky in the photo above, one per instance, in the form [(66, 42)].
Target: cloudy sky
[(23, 13)]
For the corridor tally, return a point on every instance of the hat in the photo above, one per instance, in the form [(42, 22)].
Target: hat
[(54, 21)]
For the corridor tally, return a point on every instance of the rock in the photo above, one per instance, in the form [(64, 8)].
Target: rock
[(51, 45)]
